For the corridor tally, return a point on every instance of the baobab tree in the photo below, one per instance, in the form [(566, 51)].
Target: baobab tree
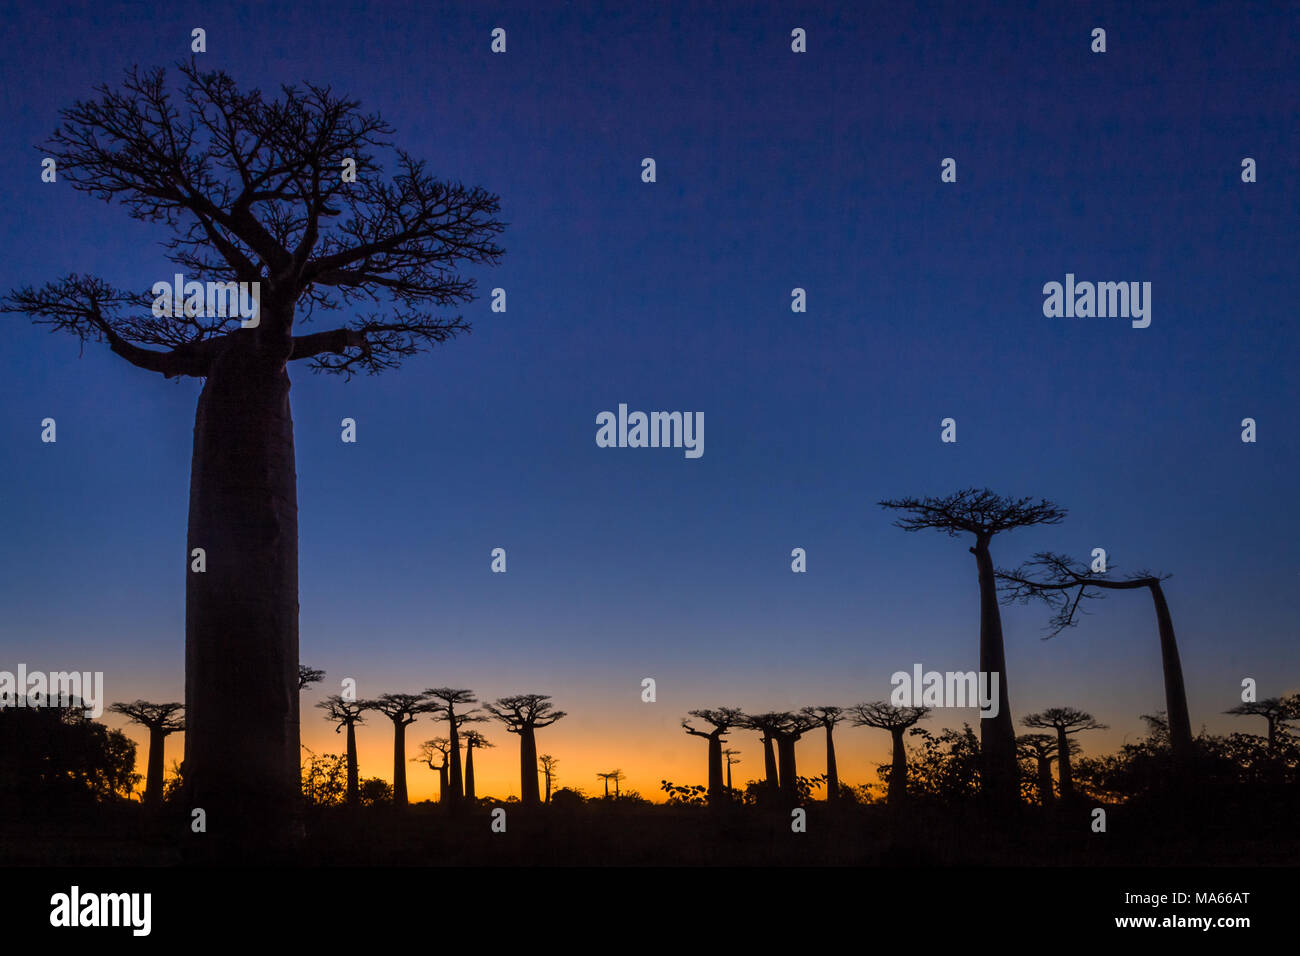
[(525, 714), (450, 697), (983, 514), (722, 719), (828, 717), (284, 202), (161, 720), (438, 745), (766, 724), (896, 720), (616, 776), (346, 714), (788, 730), (1276, 710), (473, 741), (1041, 749), (548, 765), (728, 754), (1065, 721), (1050, 577), (402, 710), (308, 676)]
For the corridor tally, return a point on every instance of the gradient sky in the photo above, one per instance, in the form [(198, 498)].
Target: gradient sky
[(775, 170)]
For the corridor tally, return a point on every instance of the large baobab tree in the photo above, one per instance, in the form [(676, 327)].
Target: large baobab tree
[(721, 720), (789, 730), (347, 714), (983, 514), (525, 714), (1276, 710), (161, 720), (256, 190), (547, 763), (1050, 577), (828, 717), (473, 741), (1041, 749), (616, 776), (442, 746), (450, 697), (1064, 721), (766, 724), (402, 710), (896, 720), (308, 676)]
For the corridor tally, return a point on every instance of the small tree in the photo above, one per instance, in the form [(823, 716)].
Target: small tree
[(346, 714), (828, 717), (402, 710), (616, 776), (450, 697), (441, 746), (308, 676), (896, 720), (524, 714), (548, 765), (1276, 710), (161, 720), (473, 741), (1041, 749), (1065, 721), (728, 754)]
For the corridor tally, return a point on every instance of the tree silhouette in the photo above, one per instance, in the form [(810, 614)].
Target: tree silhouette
[(728, 753), (524, 714), (473, 741), (788, 729), (402, 710), (450, 697), (548, 764), (885, 716), (722, 719), (1065, 721), (53, 755), (346, 714), (253, 192), (616, 776), (828, 717), (162, 720), (768, 725), (984, 514), (308, 676), (1041, 749), (439, 745), (1049, 578), (1276, 710)]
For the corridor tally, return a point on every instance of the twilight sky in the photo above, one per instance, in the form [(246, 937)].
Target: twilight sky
[(775, 171)]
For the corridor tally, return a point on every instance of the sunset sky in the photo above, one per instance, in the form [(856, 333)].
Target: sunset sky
[(775, 170)]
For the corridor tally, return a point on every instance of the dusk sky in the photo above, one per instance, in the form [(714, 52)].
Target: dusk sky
[(775, 170)]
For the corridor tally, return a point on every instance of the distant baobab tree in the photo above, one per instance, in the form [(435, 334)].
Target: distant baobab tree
[(1049, 577), (253, 191), (768, 725), (1065, 721), (308, 676), (896, 720), (1276, 710), (789, 730), (548, 764), (162, 720), (828, 717), (722, 719), (524, 714), (473, 741), (438, 745), (983, 514), (347, 714), (616, 776), (1041, 749), (728, 754), (402, 710), (450, 697)]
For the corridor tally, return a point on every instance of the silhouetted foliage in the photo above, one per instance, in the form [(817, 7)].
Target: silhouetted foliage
[(308, 676), (53, 757)]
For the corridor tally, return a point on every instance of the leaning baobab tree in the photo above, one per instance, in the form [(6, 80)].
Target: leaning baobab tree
[(885, 716), (473, 741), (308, 676), (161, 719), (548, 764), (347, 714), (402, 710), (282, 205), (438, 745), (450, 697), (616, 776), (984, 514), (1041, 749), (524, 714), (1276, 710), (1050, 578), (766, 724), (828, 717), (722, 719), (1065, 721)]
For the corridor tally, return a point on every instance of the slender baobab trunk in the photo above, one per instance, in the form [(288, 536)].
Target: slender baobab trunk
[(832, 774), (1063, 771), (399, 764), (457, 782), (785, 758), (442, 781), (241, 613), (154, 781), (1180, 723), (354, 790), (469, 772), (547, 774), (729, 775), (997, 734), (606, 788), (769, 764), (528, 767), (898, 770)]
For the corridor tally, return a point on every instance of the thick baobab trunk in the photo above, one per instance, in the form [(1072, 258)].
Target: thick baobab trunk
[(154, 780), (1045, 781), (241, 612), (832, 774), (1180, 723), (457, 781), (529, 793), (442, 782), (354, 790), (1063, 765), (399, 764), (715, 766), (769, 764), (997, 734), (785, 759), (469, 772), (898, 770)]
